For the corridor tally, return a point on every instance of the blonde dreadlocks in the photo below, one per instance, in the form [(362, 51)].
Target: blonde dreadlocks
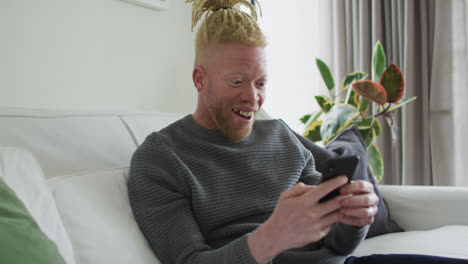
[(224, 24)]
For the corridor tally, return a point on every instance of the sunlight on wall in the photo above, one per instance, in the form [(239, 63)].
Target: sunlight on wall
[(297, 33)]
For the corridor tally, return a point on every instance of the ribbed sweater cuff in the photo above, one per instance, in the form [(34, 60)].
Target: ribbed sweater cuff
[(241, 251)]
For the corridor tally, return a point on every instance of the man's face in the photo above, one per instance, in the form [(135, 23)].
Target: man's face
[(233, 89)]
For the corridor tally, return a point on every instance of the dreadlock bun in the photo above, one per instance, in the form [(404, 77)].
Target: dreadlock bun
[(223, 23)]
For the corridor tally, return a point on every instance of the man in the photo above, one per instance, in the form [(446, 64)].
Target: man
[(219, 187)]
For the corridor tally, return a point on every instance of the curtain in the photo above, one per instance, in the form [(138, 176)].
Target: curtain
[(427, 40)]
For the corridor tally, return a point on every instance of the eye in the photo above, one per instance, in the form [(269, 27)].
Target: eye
[(260, 84), (236, 82)]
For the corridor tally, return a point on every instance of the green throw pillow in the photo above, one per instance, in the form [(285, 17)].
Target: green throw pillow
[(21, 240)]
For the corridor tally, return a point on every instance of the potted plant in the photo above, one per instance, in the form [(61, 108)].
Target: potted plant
[(359, 102)]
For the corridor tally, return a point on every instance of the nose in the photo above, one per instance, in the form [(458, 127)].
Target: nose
[(250, 94)]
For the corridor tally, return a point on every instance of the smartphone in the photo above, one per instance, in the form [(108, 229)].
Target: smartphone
[(345, 165)]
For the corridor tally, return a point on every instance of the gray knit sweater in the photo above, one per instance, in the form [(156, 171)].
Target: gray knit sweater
[(196, 195)]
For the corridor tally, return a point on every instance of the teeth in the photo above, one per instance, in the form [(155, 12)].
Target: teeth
[(242, 113), (246, 114)]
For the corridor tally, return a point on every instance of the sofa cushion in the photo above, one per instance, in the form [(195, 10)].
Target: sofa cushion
[(141, 125), (21, 240), (448, 241), (68, 142), (22, 173), (97, 215)]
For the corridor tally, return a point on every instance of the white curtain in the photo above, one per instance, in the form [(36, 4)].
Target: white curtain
[(448, 109), (427, 39)]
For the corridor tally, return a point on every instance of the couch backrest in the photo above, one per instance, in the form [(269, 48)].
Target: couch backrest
[(141, 125), (68, 142)]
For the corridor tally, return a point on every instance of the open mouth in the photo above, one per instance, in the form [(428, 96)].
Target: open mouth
[(245, 115)]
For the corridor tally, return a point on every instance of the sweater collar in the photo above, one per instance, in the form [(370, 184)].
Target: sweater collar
[(214, 136)]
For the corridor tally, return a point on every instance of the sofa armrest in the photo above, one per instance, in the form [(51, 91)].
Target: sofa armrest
[(426, 207)]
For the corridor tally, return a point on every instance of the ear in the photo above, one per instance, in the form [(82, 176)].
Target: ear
[(199, 77)]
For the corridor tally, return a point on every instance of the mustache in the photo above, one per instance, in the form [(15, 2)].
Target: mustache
[(249, 107)]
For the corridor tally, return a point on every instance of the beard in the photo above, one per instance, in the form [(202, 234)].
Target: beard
[(229, 129)]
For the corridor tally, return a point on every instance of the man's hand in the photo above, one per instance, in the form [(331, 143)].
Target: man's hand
[(360, 205), (298, 219)]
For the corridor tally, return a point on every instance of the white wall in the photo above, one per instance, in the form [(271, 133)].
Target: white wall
[(297, 32), (110, 54), (96, 54)]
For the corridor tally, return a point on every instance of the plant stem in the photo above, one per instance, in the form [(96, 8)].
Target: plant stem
[(384, 111)]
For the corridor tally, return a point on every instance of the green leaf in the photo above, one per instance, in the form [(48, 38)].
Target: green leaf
[(365, 123), (371, 91), (348, 95), (352, 98), (378, 61), (370, 129), (326, 74), (393, 82), (305, 118), (370, 123), (313, 131), (317, 115), (348, 80), (312, 117), (375, 162), (324, 103), (339, 118), (368, 135), (364, 105), (401, 103), (377, 128)]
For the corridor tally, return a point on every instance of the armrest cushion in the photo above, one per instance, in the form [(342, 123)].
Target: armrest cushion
[(426, 207)]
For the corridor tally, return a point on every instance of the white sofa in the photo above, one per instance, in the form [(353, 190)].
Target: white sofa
[(70, 170)]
